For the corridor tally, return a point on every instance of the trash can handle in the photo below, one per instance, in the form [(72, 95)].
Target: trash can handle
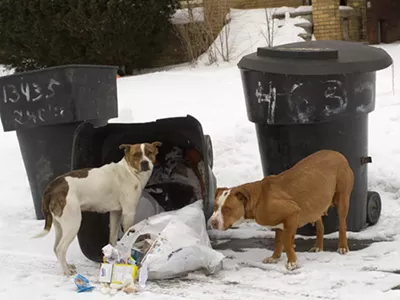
[(366, 160), (298, 53)]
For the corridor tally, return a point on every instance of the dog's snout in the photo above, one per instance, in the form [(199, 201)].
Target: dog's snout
[(144, 165), (214, 224)]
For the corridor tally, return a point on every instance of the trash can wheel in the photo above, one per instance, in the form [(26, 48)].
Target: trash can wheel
[(374, 207), (209, 146)]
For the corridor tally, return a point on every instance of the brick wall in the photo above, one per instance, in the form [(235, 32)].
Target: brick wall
[(279, 3), (357, 23), (326, 19), (249, 4)]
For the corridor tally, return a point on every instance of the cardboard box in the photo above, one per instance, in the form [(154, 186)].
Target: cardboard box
[(105, 274), (117, 273), (122, 272)]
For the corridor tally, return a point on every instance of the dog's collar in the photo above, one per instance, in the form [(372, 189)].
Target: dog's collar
[(133, 171), (129, 168)]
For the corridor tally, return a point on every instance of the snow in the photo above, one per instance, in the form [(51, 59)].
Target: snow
[(214, 95), (303, 8), (4, 71), (183, 16), (291, 10), (247, 31), (283, 10), (343, 8)]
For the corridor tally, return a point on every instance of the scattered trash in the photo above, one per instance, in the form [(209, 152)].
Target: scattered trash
[(118, 270), (82, 283), (141, 247), (143, 276), (105, 275), (163, 246), (111, 255)]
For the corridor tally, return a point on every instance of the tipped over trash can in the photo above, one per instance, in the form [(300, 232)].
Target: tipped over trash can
[(45, 107), (308, 96), (182, 173)]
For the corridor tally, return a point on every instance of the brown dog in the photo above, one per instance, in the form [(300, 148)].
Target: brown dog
[(295, 197)]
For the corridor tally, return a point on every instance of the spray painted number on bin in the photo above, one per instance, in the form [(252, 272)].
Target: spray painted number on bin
[(23, 117), (336, 97), (30, 92), (300, 108), (365, 91), (303, 105), (269, 98)]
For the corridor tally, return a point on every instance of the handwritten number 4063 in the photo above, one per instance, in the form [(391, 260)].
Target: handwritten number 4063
[(31, 92)]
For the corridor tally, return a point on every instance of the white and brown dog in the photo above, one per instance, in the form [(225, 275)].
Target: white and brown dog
[(114, 188), (285, 202)]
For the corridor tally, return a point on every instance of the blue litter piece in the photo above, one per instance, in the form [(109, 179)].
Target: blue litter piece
[(82, 283)]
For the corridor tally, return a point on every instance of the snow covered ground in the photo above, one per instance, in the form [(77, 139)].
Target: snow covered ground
[(248, 30), (29, 269)]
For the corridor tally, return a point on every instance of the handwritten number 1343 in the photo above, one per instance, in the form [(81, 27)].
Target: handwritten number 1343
[(32, 92)]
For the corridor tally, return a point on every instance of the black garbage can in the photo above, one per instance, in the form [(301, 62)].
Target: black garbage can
[(308, 96), (94, 147), (45, 107)]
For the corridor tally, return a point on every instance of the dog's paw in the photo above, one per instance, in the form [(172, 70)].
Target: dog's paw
[(72, 267), (315, 249), (270, 260), (69, 272), (290, 266), (343, 250)]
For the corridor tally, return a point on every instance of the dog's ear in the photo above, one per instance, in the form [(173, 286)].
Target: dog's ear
[(219, 191), (126, 147), (156, 144), (242, 194)]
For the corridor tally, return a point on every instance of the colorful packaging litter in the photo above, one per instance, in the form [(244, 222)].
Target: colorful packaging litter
[(105, 275), (137, 255), (111, 255), (122, 273), (118, 270), (142, 246), (82, 283)]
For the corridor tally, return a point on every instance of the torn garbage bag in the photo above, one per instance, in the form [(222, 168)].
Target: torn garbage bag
[(177, 241)]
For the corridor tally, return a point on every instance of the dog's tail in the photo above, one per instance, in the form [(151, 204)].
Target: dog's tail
[(47, 215)]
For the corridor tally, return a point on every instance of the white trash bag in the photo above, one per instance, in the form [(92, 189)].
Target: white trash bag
[(182, 244), (147, 206)]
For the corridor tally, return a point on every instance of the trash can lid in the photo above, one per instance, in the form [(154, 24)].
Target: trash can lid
[(317, 58)]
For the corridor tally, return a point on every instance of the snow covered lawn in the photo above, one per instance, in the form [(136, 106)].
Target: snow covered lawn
[(29, 269)]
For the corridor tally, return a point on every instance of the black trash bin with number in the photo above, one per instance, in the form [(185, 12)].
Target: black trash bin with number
[(308, 96), (45, 107)]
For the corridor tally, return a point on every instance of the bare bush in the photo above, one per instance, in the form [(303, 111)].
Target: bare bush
[(223, 48), (270, 31), (198, 30)]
